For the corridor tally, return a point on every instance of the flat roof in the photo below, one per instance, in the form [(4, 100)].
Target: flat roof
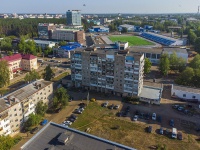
[(146, 50), (179, 50), (43, 42), (47, 138), (151, 93), (186, 88), (22, 94)]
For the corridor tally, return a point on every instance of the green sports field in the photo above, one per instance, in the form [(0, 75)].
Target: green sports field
[(132, 40)]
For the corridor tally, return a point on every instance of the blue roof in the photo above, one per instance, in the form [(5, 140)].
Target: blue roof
[(71, 46)]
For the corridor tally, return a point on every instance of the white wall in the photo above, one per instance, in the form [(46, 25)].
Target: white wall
[(188, 95)]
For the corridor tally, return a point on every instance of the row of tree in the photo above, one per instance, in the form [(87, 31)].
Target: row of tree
[(171, 63), (191, 75)]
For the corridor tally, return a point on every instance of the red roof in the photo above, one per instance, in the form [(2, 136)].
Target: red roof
[(12, 58), (15, 70), (18, 57), (28, 56)]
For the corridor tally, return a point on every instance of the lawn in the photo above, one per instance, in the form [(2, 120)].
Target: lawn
[(132, 40), (105, 124)]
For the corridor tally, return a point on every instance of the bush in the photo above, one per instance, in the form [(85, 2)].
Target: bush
[(132, 99), (92, 99)]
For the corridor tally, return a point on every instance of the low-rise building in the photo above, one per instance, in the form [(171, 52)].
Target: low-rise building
[(56, 137), (185, 93), (15, 107), (130, 28), (19, 62), (44, 44)]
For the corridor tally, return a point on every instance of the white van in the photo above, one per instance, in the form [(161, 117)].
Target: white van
[(174, 133)]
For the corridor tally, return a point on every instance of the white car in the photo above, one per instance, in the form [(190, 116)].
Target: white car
[(68, 123), (154, 116), (135, 118)]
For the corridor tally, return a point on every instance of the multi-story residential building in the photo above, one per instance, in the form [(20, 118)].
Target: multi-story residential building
[(18, 105), (112, 71), (19, 62), (73, 17)]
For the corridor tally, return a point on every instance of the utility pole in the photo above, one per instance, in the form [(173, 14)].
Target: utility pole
[(88, 97)]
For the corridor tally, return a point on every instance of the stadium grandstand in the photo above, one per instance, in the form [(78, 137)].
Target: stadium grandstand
[(166, 41)]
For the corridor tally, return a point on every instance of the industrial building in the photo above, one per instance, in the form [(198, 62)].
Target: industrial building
[(44, 44), (58, 137), (111, 71), (73, 17), (15, 107), (61, 32), (99, 29)]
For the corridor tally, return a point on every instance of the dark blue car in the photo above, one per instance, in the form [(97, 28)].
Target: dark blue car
[(171, 122)]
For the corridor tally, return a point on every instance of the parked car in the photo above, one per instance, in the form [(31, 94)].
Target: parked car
[(147, 116), (68, 123), (71, 119), (180, 108), (128, 108), (161, 131), (154, 116), (125, 114), (175, 106), (119, 114), (149, 129), (180, 136), (83, 105), (135, 118), (159, 119), (105, 104), (167, 131), (171, 122), (44, 122), (137, 112), (73, 116), (111, 106), (34, 130), (116, 106), (141, 115)]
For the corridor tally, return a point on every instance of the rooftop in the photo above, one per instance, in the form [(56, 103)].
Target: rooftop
[(54, 136), (18, 57), (43, 42), (186, 88), (179, 50), (22, 93), (146, 50), (151, 93)]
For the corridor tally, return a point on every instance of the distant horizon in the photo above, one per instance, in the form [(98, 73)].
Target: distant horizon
[(100, 7)]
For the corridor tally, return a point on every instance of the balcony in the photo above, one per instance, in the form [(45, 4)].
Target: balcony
[(110, 87), (128, 78), (93, 84), (3, 116), (137, 73), (128, 70), (78, 77), (78, 66), (136, 69)]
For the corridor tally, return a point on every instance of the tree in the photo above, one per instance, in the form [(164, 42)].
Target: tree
[(192, 37), (7, 142), (186, 77), (4, 73), (41, 108), (62, 43), (32, 75), (33, 120), (164, 64), (6, 44), (147, 66), (10, 53), (124, 30), (197, 45), (48, 73), (61, 98), (195, 63)]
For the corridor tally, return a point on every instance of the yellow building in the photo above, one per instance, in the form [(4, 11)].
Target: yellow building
[(19, 62)]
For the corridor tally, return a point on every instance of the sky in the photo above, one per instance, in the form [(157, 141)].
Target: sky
[(100, 6)]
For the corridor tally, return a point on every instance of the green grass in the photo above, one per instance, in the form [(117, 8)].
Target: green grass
[(103, 123), (60, 76), (132, 40)]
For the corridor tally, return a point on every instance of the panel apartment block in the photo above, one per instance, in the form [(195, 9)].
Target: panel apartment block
[(18, 105), (111, 71)]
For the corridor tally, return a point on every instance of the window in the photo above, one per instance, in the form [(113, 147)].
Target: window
[(193, 96), (184, 95)]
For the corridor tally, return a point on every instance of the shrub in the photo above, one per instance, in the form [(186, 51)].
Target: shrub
[(92, 99)]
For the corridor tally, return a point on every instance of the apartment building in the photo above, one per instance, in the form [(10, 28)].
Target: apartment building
[(18, 105), (111, 71), (19, 62)]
